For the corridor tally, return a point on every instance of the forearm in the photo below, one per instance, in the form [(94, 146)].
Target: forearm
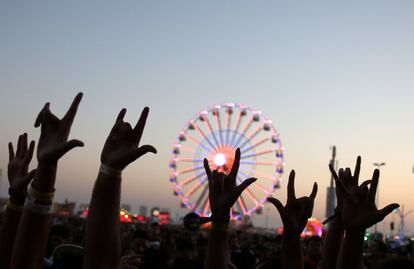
[(31, 239), (8, 233), (332, 244), (352, 248), (292, 256), (218, 250), (102, 224)]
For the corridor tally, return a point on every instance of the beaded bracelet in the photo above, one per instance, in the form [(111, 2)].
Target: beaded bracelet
[(40, 196), (109, 171), (14, 207)]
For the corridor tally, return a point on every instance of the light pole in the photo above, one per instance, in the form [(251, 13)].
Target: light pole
[(378, 165)]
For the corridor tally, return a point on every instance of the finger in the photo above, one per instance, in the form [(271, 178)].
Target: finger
[(365, 184), (236, 165), (121, 115), (29, 177), (70, 115), (24, 145), (62, 150), (314, 191), (280, 208), (246, 183), (342, 189), (29, 153), (119, 121), (291, 186), (140, 152), (348, 173), (357, 170), (386, 210), (41, 115), (341, 173), (139, 127), (208, 170), (373, 187), (19, 146), (11, 152), (333, 172)]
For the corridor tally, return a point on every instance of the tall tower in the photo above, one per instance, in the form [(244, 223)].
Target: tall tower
[(1, 179), (330, 191), (402, 214)]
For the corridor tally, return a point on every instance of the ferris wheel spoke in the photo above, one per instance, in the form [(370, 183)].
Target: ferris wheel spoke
[(251, 136), (258, 173), (188, 160), (183, 148), (206, 206), (188, 170), (255, 144), (210, 129), (203, 135), (242, 204), (218, 122), (258, 163), (236, 126), (257, 153), (197, 142), (227, 124), (249, 193), (244, 129), (195, 187), (191, 179), (256, 183), (201, 197)]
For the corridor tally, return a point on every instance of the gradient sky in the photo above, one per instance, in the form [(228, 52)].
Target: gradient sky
[(325, 72)]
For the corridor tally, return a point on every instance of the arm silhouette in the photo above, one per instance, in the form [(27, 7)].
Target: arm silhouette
[(359, 212), (294, 215), (102, 235), (34, 224), (19, 178), (223, 193)]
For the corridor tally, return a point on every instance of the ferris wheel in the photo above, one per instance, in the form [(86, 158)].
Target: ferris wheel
[(215, 133)]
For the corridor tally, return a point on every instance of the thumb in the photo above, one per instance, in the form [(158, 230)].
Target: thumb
[(244, 185), (141, 151), (62, 150), (277, 204), (29, 177), (387, 210)]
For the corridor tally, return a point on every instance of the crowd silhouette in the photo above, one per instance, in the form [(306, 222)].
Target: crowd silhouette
[(31, 237)]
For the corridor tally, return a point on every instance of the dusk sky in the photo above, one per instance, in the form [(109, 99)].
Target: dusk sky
[(325, 72)]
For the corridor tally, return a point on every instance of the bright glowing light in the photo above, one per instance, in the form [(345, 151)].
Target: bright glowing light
[(219, 159)]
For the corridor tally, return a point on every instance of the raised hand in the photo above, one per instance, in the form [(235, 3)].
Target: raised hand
[(359, 210), (223, 191), (350, 181), (17, 169), (122, 145), (296, 212), (53, 142)]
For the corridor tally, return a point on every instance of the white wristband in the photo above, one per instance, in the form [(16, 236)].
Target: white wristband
[(109, 171), (37, 208)]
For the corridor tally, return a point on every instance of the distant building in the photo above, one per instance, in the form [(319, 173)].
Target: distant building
[(143, 210), (64, 209), (127, 207)]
